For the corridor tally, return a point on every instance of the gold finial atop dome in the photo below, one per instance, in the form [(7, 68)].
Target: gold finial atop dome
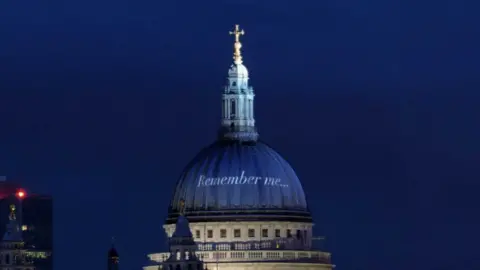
[(237, 54), (182, 206)]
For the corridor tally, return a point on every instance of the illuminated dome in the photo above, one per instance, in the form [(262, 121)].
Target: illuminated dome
[(232, 180), (238, 177), (238, 204)]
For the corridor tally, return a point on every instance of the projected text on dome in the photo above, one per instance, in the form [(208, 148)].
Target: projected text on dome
[(242, 179)]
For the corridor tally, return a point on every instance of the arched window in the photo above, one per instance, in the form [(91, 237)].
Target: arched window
[(234, 83)]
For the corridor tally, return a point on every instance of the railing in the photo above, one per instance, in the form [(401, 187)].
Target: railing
[(251, 255), (284, 243)]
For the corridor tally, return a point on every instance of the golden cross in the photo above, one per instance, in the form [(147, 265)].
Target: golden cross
[(237, 33), (182, 206)]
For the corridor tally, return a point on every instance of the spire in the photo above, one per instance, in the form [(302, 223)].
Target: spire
[(238, 122), (13, 233), (182, 246), (112, 253), (182, 228), (113, 258)]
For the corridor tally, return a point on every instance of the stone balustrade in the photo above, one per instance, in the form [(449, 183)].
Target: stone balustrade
[(254, 255)]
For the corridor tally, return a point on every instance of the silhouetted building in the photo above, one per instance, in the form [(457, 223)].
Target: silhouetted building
[(35, 218), (13, 254)]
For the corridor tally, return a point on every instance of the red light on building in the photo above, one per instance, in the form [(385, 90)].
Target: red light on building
[(21, 194)]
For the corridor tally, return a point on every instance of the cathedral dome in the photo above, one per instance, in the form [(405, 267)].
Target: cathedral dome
[(233, 180), (238, 177)]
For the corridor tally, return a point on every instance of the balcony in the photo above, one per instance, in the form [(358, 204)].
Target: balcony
[(219, 256)]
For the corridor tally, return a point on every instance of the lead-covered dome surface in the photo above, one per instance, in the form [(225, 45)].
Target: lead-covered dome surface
[(233, 180)]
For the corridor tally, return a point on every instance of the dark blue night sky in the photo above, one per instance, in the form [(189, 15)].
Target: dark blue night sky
[(374, 103)]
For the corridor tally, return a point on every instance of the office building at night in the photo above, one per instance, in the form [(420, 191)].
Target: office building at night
[(245, 205), (35, 218)]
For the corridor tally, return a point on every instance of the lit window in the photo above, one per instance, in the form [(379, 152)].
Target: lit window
[(251, 233), (24, 227), (236, 233), (223, 233)]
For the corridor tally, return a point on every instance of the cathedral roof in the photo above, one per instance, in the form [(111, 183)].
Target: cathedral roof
[(233, 180), (238, 177), (182, 228)]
